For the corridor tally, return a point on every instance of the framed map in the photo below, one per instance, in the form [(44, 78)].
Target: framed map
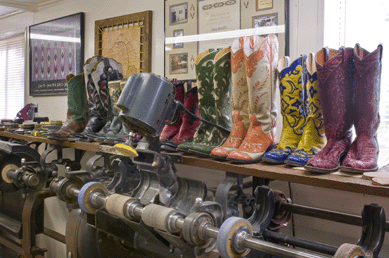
[(56, 50)]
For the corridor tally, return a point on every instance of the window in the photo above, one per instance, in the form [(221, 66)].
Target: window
[(12, 75), (348, 22)]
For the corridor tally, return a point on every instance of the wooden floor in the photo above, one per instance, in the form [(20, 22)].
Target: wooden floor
[(339, 181)]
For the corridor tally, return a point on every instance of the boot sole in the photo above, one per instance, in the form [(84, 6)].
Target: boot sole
[(218, 157), (357, 171), (294, 164), (272, 161), (205, 155), (321, 170)]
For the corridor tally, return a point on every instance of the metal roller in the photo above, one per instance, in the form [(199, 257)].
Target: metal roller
[(350, 251), (161, 217)]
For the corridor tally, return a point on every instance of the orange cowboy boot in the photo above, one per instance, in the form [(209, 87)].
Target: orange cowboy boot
[(239, 102), (261, 61)]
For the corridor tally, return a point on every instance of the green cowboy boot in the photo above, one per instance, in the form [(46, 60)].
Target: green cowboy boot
[(313, 138), (77, 116), (204, 74), (222, 96)]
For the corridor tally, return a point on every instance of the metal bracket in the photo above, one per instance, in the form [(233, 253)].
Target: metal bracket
[(373, 230), (264, 209), (229, 206)]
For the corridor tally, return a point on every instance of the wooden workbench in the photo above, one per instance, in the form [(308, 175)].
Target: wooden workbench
[(277, 172)]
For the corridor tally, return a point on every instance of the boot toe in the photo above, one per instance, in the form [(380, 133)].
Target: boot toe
[(276, 156), (221, 151)]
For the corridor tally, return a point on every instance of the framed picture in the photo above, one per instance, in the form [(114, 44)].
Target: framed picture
[(265, 20), (264, 4), (178, 63), (56, 50), (178, 13), (178, 33), (127, 39)]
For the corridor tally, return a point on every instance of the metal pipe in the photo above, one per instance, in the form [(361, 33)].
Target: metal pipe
[(300, 242), (341, 217), (277, 250), (55, 235)]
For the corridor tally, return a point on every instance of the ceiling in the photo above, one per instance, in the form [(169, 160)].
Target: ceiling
[(12, 7)]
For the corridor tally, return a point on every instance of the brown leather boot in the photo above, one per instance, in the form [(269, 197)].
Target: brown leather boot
[(77, 118)]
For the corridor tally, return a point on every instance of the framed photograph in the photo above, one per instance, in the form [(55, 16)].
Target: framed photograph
[(178, 13), (264, 5), (56, 50), (178, 33), (127, 39), (265, 20), (178, 63)]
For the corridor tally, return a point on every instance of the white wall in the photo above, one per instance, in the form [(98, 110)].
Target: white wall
[(306, 32)]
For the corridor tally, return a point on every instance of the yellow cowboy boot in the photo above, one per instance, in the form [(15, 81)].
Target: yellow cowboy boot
[(291, 83), (239, 102), (261, 61), (313, 138)]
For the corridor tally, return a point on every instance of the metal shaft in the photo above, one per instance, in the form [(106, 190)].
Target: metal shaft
[(212, 232)]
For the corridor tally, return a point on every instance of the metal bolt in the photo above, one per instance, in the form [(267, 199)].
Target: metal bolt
[(198, 201), (54, 173), (68, 169), (23, 161), (70, 255)]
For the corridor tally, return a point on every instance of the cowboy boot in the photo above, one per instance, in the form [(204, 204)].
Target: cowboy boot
[(77, 117), (239, 102), (363, 154), (169, 131), (261, 61), (204, 74), (313, 138), (96, 121), (105, 71), (189, 124), (292, 87), (116, 125), (335, 75), (222, 96)]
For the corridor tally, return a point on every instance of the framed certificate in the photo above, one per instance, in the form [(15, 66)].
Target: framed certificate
[(178, 13), (264, 4)]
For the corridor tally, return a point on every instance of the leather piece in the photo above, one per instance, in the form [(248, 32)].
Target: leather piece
[(169, 131), (292, 88), (239, 101), (313, 138), (335, 74), (69, 127), (363, 154), (261, 56), (189, 125)]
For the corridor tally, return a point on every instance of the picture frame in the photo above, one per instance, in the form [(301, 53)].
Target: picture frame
[(178, 33), (264, 5), (56, 49), (178, 13), (265, 20), (178, 63), (109, 29)]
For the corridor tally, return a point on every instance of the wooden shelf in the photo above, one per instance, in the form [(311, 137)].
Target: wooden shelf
[(277, 172)]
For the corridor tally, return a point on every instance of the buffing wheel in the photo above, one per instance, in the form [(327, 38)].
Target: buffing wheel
[(226, 238), (126, 150), (86, 191), (349, 251)]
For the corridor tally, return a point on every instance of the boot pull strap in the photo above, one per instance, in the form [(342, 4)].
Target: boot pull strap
[(326, 54), (380, 49), (107, 67)]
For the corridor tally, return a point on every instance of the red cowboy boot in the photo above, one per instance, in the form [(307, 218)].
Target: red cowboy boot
[(189, 124), (363, 154), (335, 72), (169, 131)]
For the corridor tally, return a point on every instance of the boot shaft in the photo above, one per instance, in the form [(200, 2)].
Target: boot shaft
[(260, 63), (367, 84), (335, 72), (222, 87), (239, 88), (77, 102)]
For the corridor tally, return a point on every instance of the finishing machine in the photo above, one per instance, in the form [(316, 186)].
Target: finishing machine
[(134, 205)]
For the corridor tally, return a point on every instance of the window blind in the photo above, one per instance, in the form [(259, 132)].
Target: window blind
[(12, 75)]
